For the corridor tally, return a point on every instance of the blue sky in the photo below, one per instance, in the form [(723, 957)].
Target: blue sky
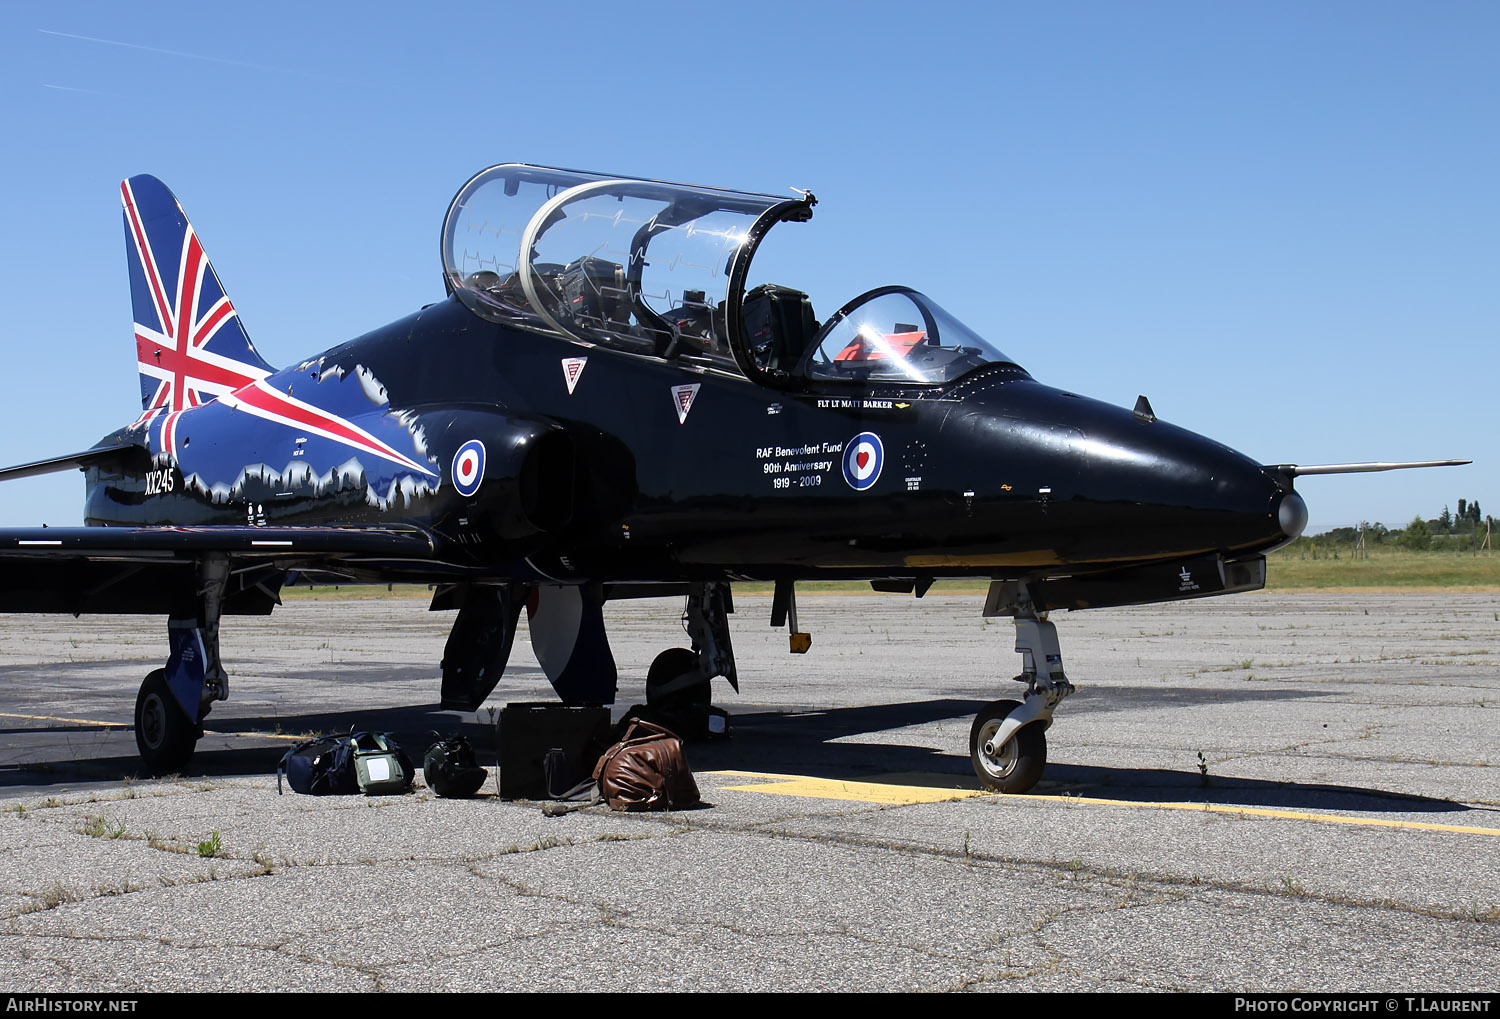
[(1277, 220)]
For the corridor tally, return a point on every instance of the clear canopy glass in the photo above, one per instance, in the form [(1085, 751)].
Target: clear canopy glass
[(659, 269), (895, 334), (636, 264)]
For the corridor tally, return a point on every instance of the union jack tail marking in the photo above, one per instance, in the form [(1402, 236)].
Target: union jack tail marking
[(189, 342), (190, 345)]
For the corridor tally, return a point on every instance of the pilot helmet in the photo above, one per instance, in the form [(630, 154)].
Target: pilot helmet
[(450, 770)]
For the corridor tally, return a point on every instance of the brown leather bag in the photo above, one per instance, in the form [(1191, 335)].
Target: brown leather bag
[(646, 770)]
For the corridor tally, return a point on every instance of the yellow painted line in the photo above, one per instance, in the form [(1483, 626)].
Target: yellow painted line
[(876, 792), (843, 789), (73, 721), (129, 725), (1290, 815), (261, 735)]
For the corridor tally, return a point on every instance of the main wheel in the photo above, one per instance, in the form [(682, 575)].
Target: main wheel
[(671, 665), (164, 735), (1015, 767)]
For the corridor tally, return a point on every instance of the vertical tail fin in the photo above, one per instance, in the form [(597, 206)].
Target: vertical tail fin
[(188, 338)]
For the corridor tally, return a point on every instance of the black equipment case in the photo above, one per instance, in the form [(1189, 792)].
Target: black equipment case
[(574, 736)]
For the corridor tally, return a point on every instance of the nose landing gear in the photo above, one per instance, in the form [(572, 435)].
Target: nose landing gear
[(1008, 742)]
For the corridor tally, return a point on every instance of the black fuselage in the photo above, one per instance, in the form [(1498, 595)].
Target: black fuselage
[(992, 475)]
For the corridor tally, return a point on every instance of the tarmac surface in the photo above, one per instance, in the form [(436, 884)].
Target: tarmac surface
[(1267, 792)]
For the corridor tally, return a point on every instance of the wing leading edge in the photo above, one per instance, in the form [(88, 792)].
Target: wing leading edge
[(153, 570), (239, 542)]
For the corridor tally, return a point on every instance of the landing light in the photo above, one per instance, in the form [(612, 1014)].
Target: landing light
[(1292, 514)]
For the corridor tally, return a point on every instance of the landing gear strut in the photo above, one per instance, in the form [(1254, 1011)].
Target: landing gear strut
[(1008, 742), (173, 701)]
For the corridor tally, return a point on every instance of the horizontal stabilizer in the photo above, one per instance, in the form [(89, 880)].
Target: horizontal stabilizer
[(125, 457), (1297, 471)]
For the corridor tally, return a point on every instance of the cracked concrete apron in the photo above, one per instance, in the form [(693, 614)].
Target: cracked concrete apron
[(1200, 825)]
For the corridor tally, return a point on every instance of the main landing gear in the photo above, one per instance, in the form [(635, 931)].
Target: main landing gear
[(678, 684), (164, 734), (1008, 741), (173, 701)]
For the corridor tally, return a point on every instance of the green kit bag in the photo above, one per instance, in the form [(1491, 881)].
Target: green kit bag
[(381, 767)]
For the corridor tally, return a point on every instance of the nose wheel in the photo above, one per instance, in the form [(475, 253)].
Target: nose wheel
[(1008, 741), (1018, 764)]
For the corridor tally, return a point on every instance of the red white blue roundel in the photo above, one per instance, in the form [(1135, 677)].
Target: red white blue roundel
[(468, 467), (863, 458)]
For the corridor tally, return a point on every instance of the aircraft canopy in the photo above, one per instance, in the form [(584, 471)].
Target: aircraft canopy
[(639, 265), (659, 269)]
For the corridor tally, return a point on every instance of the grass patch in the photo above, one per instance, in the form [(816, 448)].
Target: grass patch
[(1291, 570)]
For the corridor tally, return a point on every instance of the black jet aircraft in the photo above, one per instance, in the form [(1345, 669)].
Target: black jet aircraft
[(601, 408)]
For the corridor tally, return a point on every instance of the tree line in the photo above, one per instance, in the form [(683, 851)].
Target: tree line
[(1448, 531)]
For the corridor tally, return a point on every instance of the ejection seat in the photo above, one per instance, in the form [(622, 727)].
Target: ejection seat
[(778, 325)]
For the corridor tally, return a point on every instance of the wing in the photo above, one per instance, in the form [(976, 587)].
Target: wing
[(150, 570)]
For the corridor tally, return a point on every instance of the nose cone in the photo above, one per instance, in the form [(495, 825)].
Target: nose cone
[(1149, 489), (1055, 478)]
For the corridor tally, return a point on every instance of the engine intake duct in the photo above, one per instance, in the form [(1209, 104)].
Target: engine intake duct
[(529, 467)]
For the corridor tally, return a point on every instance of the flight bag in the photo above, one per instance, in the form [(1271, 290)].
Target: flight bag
[(646, 770)]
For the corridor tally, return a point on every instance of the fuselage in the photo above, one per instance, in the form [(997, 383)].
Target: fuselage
[(605, 464)]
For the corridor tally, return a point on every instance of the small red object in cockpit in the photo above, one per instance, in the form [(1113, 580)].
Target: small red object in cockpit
[(879, 347)]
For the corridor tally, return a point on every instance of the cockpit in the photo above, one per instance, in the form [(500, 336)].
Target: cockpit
[(660, 270)]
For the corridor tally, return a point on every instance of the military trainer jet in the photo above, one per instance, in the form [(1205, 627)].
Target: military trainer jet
[(600, 408)]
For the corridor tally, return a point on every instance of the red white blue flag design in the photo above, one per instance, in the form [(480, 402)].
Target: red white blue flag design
[(189, 343), (190, 346)]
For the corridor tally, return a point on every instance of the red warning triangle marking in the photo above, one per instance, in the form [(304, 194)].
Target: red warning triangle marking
[(684, 396)]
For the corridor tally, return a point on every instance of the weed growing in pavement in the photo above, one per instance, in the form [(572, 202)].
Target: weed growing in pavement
[(51, 898)]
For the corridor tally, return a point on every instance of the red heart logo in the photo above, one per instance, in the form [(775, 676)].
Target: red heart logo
[(862, 458)]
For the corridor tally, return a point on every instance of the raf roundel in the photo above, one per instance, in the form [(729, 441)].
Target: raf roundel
[(468, 467), (863, 458)]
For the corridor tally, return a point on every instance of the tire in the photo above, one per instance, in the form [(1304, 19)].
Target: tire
[(1020, 763), (164, 735), (666, 667)]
